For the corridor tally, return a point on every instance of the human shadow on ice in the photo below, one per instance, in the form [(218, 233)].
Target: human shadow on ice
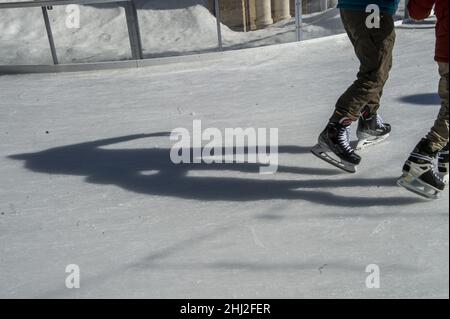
[(151, 171), (422, 99)]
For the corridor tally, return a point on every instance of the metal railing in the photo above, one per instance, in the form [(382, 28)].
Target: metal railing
[(130, 13), (131, 19)]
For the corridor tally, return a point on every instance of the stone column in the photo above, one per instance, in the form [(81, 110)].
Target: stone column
[(281, 9), (233, 14), (263, 13)]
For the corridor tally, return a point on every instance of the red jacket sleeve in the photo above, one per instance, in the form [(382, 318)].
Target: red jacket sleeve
[(420, 9)]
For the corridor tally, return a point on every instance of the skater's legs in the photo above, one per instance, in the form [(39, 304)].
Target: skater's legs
[(438, 136), (420, 166), (373, 47), (374, 104)]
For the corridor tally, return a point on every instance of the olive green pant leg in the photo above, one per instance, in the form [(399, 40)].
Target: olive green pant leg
[(438, 136), (373, 47), (374, 104)]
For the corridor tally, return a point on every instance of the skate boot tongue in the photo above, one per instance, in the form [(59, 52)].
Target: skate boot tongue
[(339, 138), (334, 146), (343, 136)]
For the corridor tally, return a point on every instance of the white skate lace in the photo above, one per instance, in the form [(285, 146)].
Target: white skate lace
[(429, 164), (344, 139), (380, 122)]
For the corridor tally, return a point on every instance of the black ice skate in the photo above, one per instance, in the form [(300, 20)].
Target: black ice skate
[(419, 174), (334, 147), (443, 164), (371, 130)]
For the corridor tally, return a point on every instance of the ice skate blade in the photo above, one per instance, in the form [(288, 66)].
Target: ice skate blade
[(417, 187), (365, 141), (322, 152)]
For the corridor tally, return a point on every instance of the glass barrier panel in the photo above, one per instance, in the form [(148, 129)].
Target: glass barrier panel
[(23, 39), (90, 33)]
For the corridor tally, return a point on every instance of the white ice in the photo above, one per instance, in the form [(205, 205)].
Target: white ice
[(86, 179)]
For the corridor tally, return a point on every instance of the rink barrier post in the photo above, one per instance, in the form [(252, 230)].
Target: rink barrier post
[(219, 26), (134, 31), (51, 41), (406, 16), (298, 20)]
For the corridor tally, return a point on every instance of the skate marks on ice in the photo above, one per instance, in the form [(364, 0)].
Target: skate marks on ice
[(126, 168), (166, 258)]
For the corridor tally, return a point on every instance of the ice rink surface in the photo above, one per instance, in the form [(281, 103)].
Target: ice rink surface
[(86, 179)]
